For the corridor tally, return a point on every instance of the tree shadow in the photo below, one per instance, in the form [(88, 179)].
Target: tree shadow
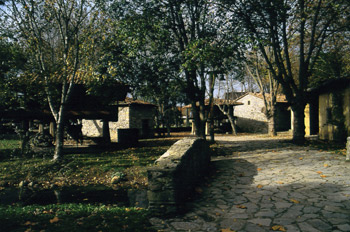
[(262, 145)]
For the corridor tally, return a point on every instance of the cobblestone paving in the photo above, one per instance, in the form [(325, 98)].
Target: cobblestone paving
[(267, 185)]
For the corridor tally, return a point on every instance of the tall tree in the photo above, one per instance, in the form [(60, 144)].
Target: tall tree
[(195, 30), (138, 52), (12, 62), (257, 69), (56, 34), (296, 32)]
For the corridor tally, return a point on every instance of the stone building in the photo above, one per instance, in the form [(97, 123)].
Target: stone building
[(135, 118), (328, 111), (250, 116)]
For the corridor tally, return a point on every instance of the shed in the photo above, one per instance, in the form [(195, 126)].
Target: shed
[(332, 99)]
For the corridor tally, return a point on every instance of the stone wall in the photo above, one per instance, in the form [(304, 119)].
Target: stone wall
[(171, 181), (250, 116), (123, 117), (93, 128), (252, 108)]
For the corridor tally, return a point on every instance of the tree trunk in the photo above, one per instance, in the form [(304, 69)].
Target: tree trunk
[(60, 121), (211, 124), (198, 122), (231, 119), (298, 123), (211, 105), (24, 136), (272, 121), (272, 126), (202, 120), (58, 155), (196, 96)]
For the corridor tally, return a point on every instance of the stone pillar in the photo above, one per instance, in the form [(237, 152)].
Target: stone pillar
[(52, 129), (187, 117), (193, 131), (41, 128), (348, 150), (307, 120), (207, 128)]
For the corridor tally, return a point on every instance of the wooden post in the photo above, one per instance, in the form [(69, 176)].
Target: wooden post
[(105, 131)]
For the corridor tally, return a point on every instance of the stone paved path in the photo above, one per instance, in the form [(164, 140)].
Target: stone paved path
[(267, 185)]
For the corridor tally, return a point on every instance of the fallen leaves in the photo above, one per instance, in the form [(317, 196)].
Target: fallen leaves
[(29, 223), (325, 165), (258, 169), (259, 186), (227, 230), (301, 158), (278, 228), (241, 206), (295, 201), (279, 182), (319, 172), (54, 220), (323, 176)]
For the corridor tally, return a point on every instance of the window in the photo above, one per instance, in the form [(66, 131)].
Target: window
[(248, 102)]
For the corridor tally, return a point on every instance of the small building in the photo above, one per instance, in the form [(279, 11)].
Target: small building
[(329, 107), (134, 116), (250, 116)]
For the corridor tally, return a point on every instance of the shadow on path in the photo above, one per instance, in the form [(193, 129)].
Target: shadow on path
[(284, 188)]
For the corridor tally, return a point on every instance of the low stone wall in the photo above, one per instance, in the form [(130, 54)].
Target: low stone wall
[(171, 181)]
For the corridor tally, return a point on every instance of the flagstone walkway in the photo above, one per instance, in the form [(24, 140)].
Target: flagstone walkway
[(269, 185)]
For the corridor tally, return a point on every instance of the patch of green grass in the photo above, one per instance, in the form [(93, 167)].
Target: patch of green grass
[(83, 169), (89, 170), (6, 144), (73, 217)]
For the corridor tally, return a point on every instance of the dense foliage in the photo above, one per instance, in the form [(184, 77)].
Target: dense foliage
[(171, 52)]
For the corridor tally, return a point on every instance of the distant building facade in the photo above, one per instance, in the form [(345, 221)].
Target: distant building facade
[(250, 116)]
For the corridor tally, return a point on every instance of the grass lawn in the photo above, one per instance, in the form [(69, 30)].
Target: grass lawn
[(73, 217), (114, 169), (92, 168)]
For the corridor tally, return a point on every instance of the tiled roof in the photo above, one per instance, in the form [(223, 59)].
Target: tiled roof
[(279, 98), (130, 101), (218, 101)]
